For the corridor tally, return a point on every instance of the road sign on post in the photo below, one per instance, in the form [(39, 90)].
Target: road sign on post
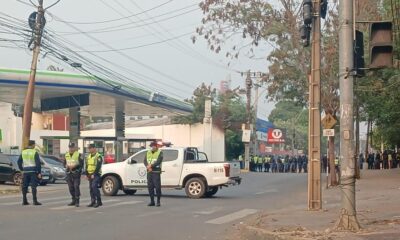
[(329, 132), (328, 121)]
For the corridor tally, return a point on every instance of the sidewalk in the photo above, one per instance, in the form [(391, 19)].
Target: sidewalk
[(8, 189), (378, 209)]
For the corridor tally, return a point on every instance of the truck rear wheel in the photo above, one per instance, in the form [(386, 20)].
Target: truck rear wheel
[(110, 186), (195, 188), (211, 191), (129, 191)]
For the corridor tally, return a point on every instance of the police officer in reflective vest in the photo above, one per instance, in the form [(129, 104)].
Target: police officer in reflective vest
[(29, 164), (93, 172), (152, 161), (74, 165)]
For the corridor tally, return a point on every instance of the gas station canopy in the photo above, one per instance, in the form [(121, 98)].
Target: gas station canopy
[(59, 91)]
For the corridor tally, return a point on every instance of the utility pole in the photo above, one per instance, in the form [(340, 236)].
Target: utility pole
[(27, 118), (314, 131), (249, 84), (348, 218)]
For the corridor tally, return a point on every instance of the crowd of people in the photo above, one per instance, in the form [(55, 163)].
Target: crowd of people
[(298, 164), (278, 164), (386, 160)]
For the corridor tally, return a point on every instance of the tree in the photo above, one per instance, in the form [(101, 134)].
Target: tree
[(294, 118), (228, 112)]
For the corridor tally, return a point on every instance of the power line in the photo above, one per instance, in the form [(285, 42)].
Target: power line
[(121, 26), (118, 19), (129, 57), (140, 46)]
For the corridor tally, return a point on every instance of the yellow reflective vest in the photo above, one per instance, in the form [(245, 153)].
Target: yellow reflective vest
[(72, 160), (91, 163)]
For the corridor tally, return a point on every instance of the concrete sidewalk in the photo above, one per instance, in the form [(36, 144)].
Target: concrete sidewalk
[(378, 209), (10, 189)]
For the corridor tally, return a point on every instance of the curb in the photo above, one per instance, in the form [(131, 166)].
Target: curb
[(9, 191)]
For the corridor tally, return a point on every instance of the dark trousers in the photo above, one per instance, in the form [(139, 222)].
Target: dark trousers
[(94, 188), (30, 179), (154, 182), (74, 182)]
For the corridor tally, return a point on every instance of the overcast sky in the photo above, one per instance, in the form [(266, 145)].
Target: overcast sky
[(174, 67)]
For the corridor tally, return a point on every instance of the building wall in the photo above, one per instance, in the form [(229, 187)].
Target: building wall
[(11, 128), (178, 135)]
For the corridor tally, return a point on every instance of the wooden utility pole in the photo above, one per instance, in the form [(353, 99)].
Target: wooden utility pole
[(314, 129), (348, 217), (249, 84), (28, 106)]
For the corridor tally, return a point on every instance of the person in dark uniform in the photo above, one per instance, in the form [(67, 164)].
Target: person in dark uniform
[(74, 165), (29, 164), (93, 172), (153, 161)]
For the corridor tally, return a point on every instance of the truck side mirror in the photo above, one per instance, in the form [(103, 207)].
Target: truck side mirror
[(132, 161)]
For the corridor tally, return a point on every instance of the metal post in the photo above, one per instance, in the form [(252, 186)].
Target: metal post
[(348, 219), (28, 106), (255, 142), (119, 122), (314, 131), (74, 124)]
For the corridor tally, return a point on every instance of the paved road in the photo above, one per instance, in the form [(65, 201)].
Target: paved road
[(127, 217)]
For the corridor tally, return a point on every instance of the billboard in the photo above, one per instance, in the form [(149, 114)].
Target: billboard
[(276, 135)]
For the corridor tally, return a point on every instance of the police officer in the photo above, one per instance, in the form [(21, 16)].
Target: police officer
[(29, 164), (93, 171), (153, 161), (74, 165)]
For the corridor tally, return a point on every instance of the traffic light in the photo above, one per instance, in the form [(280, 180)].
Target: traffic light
[(305, 34), (307, 11), (324, 8), (381, 45), (359, 62)]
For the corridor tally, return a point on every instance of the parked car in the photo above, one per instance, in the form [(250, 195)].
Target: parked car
[(9, 171), (57, 169), (109, 158)]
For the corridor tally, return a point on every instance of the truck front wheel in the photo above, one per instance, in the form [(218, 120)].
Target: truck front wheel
[(110, 186), (195, 188)]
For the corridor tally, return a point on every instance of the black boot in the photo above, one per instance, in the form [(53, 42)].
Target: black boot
[(158, 202), (35, 201), (98, 204), (92, 203), (73, 202), (76, 202), (24, 199), (151, 204)]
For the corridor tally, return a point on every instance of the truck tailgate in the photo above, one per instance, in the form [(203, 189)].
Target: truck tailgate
[(234, 169)]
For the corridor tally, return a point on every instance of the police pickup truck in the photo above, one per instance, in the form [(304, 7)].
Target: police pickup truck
[(182, 168)]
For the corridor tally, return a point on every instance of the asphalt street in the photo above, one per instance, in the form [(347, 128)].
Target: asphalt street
[(127, 217)]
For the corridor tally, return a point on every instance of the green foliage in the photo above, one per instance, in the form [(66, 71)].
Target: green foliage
[(228, 111), (200, 94), (293, 117)]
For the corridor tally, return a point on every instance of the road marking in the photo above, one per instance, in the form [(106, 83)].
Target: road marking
[(148, 214), (233, 216), (208, 212), (267, 191), (109, 206)]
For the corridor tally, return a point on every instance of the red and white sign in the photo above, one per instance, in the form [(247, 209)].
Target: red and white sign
[(275, 136)]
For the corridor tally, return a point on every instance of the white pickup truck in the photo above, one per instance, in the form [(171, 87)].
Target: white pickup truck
[(181, 168)]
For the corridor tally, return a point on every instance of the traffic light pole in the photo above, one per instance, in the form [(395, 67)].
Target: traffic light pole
[(314, 131), (28, 106), (348, 219)]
